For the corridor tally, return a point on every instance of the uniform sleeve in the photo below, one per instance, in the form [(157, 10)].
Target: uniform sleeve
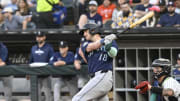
[(51, 52), (114, 44), (172, 84), (84, 46), (20, 19), (53, 59), (70, 59), (77, 56), (31, 56), (4, 53)]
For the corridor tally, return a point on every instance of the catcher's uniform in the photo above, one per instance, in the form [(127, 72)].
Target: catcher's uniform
[(174, 85)]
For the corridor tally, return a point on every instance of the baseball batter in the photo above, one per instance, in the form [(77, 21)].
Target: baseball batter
[(169, 88), (99, 53)]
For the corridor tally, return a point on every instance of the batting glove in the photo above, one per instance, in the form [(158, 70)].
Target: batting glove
[(110, 37)]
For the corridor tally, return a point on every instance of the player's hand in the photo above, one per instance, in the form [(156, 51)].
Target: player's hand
[(143, 86)]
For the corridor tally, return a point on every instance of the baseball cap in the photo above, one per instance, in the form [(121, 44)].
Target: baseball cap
[(7, 9), (92, 2), (171, 3), (40, 34), (63, 44), (178, 56), (162, 3)]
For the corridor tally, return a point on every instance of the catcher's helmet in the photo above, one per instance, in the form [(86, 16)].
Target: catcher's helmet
[(165, 64), (93, 29)]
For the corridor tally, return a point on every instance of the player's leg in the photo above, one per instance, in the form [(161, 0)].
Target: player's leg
[(82, 80), (39, 88), (72, 85), (7, 83), (98, 86), (103, 98), (47, 88), (57, 89)]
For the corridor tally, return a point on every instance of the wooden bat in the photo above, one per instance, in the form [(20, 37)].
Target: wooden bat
[(141, 20)]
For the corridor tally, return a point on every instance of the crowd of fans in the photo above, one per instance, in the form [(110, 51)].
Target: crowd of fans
[(32, 14), (124, 13)]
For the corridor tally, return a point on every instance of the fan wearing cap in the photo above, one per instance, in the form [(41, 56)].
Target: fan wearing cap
[(13, 22), (41, 53), (162, 6), (78, 60), (171, 18), (62, 58), (169, 88), (176, 71), (91, 17), (99, 53)]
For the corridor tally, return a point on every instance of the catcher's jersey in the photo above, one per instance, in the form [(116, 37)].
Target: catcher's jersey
[(98, 59), (174, 85)]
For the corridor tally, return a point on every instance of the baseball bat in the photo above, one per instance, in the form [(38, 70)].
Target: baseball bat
[(141, 20)]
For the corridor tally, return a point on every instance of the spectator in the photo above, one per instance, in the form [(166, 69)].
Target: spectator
[(2, 26), (7, 81), (162, 6), (91, 17), (24, 11), (177, 6), (176, 71), (125, 19), (141, 10), (82, 79), (59, 15), (23, 8), (106, 10), (117, 11), (13, 22), (163, 10), (13, 5), (62, 58), (171, 18), (41, 53), (44, 9)]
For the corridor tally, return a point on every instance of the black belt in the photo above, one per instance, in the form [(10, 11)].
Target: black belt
[(102, 71)]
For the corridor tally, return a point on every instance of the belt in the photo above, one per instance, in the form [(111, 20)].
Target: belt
[(102, 71)]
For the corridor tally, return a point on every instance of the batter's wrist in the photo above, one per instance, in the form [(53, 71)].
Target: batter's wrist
[(157, 90), (102, 41)]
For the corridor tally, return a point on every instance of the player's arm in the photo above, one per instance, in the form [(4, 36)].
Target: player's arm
[(77, 64), (59, 63), (140, 13), (97, 44), (162, 91), (94, 45)]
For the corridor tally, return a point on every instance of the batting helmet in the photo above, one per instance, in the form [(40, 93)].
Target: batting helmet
[(165, 64), (93, 29)]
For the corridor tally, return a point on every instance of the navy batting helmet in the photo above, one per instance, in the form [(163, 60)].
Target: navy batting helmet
[(93, 29), (165, 64)]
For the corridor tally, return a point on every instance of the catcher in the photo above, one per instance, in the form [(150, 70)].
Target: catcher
[(168, 87)]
